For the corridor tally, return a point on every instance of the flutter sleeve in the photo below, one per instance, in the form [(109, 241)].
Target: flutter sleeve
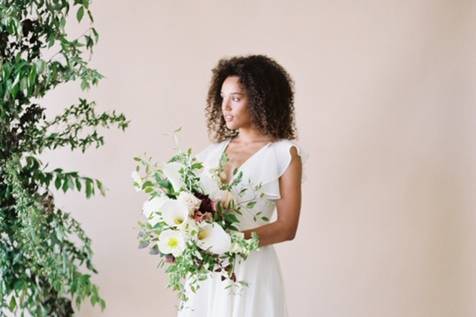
[(277, 163)]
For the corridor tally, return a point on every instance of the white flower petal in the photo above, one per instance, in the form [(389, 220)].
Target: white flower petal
[(171, 241), (192, 202), (152, 209), (189, 228), (174, 212), (171, 171), (208, 184), (212, 237)]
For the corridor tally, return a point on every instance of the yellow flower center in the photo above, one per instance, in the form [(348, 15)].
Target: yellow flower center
[(202, 234), (178, 220), (173, 243)]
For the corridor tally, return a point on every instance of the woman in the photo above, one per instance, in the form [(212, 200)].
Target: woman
[(250, 116)]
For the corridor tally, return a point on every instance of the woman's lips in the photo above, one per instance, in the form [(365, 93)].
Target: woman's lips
[(228, 118)]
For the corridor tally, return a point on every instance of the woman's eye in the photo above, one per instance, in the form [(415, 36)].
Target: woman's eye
[(236, 99)]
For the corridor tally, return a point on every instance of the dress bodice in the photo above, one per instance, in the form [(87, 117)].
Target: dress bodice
[(259, 181)]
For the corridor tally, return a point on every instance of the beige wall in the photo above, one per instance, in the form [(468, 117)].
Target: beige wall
[(385, 105)]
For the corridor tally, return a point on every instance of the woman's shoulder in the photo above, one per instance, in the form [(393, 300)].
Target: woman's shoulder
[(282, 147), (283, 155)]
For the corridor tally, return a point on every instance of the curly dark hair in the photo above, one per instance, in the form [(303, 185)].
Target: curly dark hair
[(270, 92)]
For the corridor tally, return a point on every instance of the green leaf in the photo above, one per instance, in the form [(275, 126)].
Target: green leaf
[(13, 304), (80, 13), (197, 165), (230, 218), (78, 184), (58, 181), (89, 187), (251, 204), (44, 252), (91, 18), (65, 184), (100, 187), (71, 183), (32, 76), (96, 35)]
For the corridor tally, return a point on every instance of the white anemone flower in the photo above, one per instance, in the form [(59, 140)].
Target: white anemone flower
[(152, 209), (174, 212), (213, 238), (171, 241), (171, 171)]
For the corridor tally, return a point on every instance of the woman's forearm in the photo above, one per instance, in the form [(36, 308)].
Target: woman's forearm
[(271, 233)]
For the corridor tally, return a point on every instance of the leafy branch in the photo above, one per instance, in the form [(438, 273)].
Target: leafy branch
[(45, 256)]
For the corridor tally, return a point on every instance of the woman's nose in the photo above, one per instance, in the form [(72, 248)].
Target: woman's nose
[(225, 104)]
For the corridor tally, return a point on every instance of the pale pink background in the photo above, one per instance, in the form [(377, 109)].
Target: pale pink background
[(385, 106)]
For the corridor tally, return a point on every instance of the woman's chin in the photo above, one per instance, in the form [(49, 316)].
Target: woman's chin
[(230, 126)]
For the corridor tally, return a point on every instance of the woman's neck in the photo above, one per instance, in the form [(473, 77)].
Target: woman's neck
[(252, 135)]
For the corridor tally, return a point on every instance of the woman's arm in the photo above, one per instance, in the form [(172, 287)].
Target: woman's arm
[(288, 207)]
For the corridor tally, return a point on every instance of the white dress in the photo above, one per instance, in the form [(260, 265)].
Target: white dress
[(264, 296)]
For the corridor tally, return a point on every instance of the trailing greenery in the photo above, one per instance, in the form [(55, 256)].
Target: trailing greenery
[(187, 248), (45, 256)]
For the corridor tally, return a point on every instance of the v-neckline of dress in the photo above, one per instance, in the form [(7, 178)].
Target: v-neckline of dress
[(239, 168)]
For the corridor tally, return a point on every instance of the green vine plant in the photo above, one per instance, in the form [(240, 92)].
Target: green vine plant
[(46, 264)]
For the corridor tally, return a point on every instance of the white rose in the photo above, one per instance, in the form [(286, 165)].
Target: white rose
[(192, 202)]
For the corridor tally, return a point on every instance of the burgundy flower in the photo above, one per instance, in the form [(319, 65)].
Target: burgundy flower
[(199, 216), (206, 205), (169, 258)]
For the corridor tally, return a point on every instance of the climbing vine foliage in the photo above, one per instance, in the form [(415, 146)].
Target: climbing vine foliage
[(45, 257)]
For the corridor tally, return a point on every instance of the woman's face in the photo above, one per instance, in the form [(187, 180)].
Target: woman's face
[(234, 105)]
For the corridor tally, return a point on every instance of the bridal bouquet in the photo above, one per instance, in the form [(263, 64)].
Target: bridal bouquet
[(193, 230)]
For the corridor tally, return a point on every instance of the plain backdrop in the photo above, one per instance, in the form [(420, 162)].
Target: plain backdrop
[(385, 110)]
